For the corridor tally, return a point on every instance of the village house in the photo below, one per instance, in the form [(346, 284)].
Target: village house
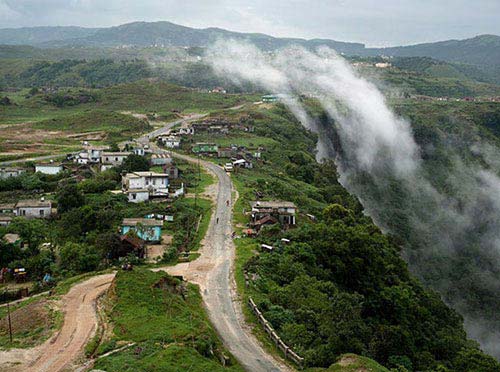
[(171, 142), (49, 168), (186, 131), (7, 208), (90, 155), (242, 163), (205, 148), (138, 150), (112, 159), (147, 229), (220, 90), (172, 171), (270, 98), (270, 212), (141, 186), (216, 125), (130, 244), (225, 152), (218, 129), (39, 208), (5, 219), (161, 159), (11, 172)]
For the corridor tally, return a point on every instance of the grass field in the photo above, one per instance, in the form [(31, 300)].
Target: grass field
[(169, 332), (33, 321)]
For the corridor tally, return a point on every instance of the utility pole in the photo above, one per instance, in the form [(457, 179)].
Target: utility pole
[(197, 184), (10, 324)]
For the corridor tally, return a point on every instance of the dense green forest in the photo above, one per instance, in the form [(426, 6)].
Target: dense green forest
[(76, 73)]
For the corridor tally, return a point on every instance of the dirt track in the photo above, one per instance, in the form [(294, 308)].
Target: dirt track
[(66, 346)]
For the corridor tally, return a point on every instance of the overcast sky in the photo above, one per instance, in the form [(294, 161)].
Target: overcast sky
[(374, 22)]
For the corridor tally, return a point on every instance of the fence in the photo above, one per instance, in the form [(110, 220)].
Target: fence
[(289, 353)]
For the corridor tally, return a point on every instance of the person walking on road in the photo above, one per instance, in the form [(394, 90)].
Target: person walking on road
[(217, 221)]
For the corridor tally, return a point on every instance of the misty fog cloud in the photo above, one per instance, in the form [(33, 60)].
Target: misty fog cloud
[(376, 143)]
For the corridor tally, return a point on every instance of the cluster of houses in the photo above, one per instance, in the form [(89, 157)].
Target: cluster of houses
[(213, 126)]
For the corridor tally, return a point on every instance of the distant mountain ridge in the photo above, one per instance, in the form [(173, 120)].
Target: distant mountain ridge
[(483, 50)]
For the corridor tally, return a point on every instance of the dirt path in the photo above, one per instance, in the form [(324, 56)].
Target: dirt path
[(67, 345), (213, 271)]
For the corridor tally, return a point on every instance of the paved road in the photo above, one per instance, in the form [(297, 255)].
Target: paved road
[(213, 271)]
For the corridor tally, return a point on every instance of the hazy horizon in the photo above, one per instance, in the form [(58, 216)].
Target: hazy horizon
[(372, 23)]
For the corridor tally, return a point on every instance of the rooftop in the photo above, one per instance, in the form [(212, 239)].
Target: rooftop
[(142, 221), (145, 174), (115, 154), (8, 206), (272, 204), (160, 156), (10, 169), (33, 203), (48, 165), (11, 238)]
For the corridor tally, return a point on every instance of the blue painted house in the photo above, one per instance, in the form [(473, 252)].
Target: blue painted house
[(147, 229)]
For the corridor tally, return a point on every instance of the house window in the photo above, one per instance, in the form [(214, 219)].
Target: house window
[(134, 196), (23, 212), (42, 212)]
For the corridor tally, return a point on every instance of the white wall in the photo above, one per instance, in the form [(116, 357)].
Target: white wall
[(34, 212), (48, 169), (139, 197)]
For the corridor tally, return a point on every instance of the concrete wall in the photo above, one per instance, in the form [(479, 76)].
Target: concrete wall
[(148, 233), (138, 197), (47, 169), (34, 212)]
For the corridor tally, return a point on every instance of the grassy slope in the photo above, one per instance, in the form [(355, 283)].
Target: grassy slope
[(171, 334)]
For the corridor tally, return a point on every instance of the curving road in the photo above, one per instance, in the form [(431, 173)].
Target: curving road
[(66, 346), (213, 272)]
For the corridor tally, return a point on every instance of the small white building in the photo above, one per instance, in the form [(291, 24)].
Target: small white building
[(49, 168), (40, 208), (138, 150), (171, 142), (11, 172), (90, 155), (141, 186), (242, 163), (5, 220), (186, 131), (112, 159)]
